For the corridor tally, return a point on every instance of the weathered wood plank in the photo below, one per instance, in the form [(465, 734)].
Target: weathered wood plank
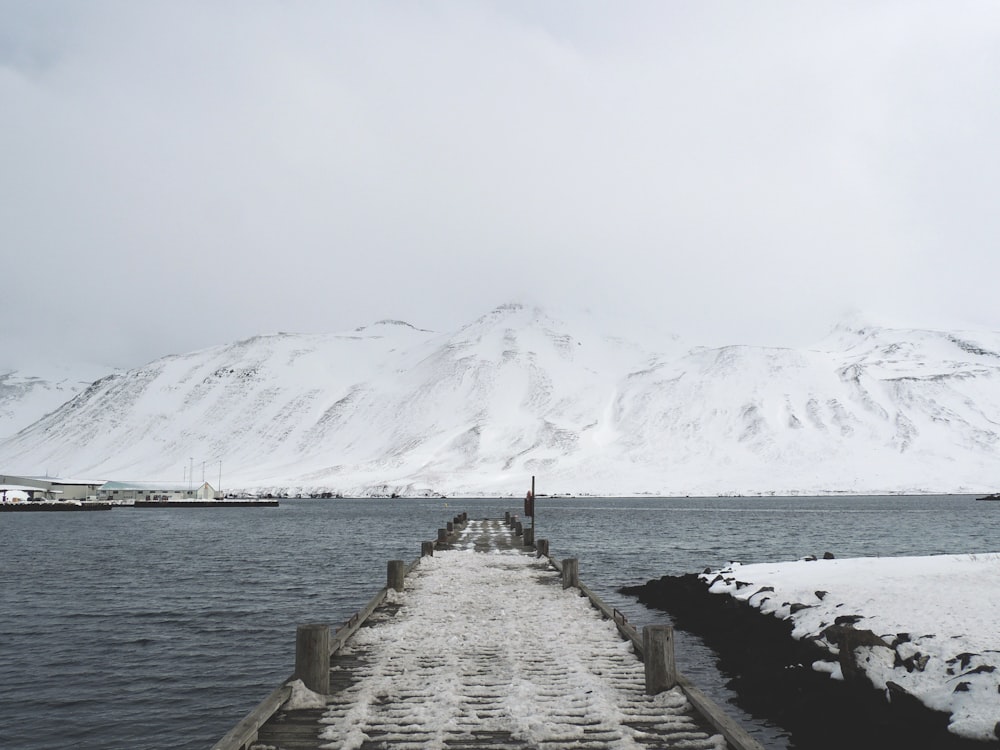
[(300, 730), (245, 732), (737, 737)]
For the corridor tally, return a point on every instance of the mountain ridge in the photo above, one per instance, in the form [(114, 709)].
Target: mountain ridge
[(391, 408)]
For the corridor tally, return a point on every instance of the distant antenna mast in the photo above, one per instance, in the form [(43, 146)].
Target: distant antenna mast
[(191, 473)]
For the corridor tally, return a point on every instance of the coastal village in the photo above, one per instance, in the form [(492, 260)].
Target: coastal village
[(25, 491)]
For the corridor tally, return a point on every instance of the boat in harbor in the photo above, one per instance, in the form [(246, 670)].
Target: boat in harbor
[(995, 496)]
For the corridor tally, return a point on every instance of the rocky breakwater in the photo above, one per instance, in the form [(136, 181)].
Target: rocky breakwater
[(865, 653)]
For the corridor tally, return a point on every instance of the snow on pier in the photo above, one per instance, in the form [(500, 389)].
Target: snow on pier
[(485, 648)]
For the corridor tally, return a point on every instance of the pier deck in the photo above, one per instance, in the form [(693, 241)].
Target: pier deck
[(485, 648)]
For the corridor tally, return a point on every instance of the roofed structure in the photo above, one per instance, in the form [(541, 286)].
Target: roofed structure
[(153, 490)]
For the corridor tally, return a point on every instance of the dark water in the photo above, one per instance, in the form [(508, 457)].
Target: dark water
[(162, 628)]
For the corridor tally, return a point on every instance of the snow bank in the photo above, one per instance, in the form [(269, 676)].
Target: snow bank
[(937, 618)]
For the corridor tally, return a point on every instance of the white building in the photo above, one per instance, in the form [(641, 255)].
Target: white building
[(18, 493), (52, 488), (119, 492)]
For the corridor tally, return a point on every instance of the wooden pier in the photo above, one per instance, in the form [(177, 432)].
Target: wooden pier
[(485, 642)]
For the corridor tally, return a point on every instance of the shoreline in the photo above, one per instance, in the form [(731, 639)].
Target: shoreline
[(772, 674), (33, 507), (590, 496)]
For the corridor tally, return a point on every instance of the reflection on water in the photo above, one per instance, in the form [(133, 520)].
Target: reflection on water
[(162, 628)]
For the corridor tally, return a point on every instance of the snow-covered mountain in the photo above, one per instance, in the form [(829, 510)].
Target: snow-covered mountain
[(27, 395), (393, 408)]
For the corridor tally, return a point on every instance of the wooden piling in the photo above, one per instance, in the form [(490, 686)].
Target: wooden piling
[(442, 536), (395, 574), (506, 517), (570, 572), (529, 537), (542, 547), (450, 526), (658, 658), (312, 656), (427, 549), (518, 528)]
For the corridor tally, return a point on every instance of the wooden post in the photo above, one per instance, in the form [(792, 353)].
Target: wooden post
[(534, 506), (658, 658), (518, 528), (542, 546), (442, 536), (395, 574), (427, 549), (312, 656), (529, 537), (506, 517), (450, 526), (570, 572)]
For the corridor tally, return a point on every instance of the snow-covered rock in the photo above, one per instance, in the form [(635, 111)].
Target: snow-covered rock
[(930, 620)]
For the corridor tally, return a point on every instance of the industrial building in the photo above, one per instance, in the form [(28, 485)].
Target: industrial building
[(53, 488), (123, 492)]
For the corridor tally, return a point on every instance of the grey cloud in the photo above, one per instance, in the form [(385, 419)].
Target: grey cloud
[(182, 174)]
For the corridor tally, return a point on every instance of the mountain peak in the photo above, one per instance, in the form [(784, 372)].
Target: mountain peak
[(517, 391), (390, 323)]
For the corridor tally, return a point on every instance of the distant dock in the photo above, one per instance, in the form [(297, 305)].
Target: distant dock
[(485, 641), (202, 504), (33, 507)]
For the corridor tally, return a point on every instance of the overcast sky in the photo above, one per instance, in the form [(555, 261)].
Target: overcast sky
[(180, 174)]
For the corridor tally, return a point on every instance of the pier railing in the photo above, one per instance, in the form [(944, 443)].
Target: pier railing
[(654, 646), (735, 735), (244, 734)]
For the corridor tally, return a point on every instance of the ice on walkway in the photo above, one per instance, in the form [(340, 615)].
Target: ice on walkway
[(490, 643), (939, 615)]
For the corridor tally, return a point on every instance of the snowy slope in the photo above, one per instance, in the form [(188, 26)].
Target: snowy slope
[(868, 410), (392, 408), (27, 395)]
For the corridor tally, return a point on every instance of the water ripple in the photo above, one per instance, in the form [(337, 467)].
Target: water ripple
[(162, 628)]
